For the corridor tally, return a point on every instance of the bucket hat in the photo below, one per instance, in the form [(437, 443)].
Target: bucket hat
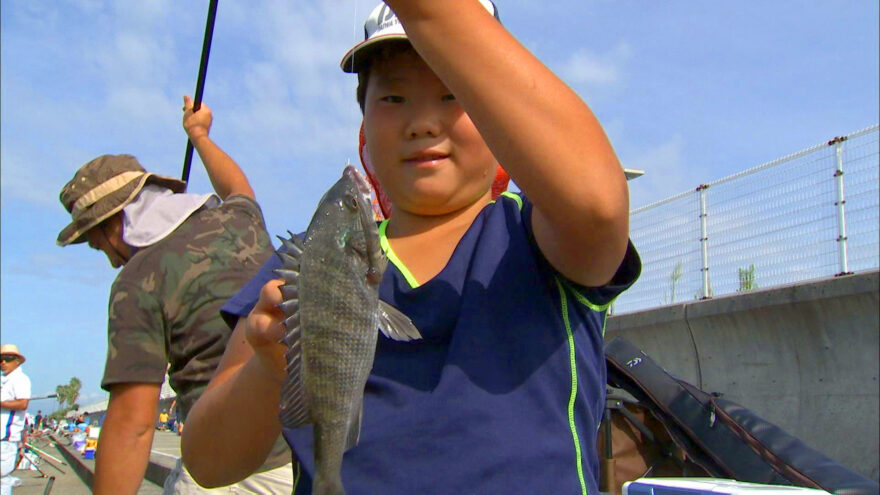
[(383, 25), (101, 188), (12, 349)]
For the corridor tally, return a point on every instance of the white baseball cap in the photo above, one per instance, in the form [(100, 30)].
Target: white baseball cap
[(383, 25)]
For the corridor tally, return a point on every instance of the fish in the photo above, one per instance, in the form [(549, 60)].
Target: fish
[(332, 318)]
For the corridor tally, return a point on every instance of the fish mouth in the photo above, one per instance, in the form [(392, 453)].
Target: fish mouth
[(372, 251), (363, 186)]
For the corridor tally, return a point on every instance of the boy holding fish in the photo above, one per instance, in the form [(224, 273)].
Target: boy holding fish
[(505, 390)]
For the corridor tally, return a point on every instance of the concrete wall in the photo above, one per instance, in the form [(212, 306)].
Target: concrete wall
[(804, 357)]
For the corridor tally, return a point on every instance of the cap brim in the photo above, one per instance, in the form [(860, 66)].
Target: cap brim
[(22, 358), (75, 233), (392, 31), (351, 62), (71, 235)]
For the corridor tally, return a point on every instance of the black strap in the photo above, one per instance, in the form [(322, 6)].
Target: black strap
[(690, 419)]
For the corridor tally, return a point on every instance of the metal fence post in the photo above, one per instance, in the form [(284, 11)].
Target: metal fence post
[(704, 240), (841, 206)]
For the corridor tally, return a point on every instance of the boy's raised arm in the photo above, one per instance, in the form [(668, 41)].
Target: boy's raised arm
[(546, 137)]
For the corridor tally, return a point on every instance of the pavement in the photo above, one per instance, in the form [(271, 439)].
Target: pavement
[(163, 456), (75, 476), (33, 483)]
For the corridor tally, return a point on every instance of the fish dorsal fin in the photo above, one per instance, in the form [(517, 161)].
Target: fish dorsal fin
[(354, 427), (396, 325), (294, 408), (293, 245)]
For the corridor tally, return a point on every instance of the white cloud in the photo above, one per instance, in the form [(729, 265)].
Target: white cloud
[(665, 173), (146, 13), (88, 6), (23, 183), (148, 106), (45, 262), (602, 69), (35, 175), (134, 57), (36, 15), (303, 45), (92, 398)]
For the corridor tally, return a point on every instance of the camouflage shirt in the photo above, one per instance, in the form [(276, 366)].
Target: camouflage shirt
[(165, 304)]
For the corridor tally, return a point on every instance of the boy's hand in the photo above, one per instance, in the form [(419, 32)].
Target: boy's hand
[(196, 124), (264, 331)]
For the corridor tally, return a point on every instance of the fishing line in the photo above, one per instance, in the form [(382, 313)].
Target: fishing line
[(354, 37)]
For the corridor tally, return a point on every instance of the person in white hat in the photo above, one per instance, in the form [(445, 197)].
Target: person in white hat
[(15, 393), (506, 391)]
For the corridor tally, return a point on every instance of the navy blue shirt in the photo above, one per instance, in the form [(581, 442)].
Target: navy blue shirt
[(505, 392)]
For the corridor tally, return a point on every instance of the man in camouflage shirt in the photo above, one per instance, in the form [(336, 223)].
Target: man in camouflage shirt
[(184, 255)]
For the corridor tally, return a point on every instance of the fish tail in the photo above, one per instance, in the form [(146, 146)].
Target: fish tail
[(330, 485), (329, 446)]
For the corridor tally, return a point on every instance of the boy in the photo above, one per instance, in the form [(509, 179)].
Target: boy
[(505, 392)]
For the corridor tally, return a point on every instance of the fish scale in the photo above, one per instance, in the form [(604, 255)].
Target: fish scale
[(337, 359), (333, 316)]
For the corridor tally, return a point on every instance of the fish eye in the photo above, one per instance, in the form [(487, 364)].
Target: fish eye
[(352, 203)]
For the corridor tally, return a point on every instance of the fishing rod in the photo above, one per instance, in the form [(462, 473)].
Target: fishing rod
[(200, 82), (45, 455), (50, 396)]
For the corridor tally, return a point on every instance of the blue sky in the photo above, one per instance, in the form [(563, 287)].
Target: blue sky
[(688, 91)]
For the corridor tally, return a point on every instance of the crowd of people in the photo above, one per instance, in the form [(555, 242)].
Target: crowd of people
[(505, 391)]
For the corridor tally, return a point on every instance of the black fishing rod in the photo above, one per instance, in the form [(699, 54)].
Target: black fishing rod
[(200, 82)]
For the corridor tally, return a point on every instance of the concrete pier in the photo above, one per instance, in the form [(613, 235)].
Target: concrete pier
[(804, 357), (77, 476)]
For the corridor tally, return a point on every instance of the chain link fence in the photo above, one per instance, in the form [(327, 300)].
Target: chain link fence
[(809, 215)]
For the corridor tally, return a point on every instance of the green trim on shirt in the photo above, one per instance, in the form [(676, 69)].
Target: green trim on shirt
[(392, 257), (571, 398)]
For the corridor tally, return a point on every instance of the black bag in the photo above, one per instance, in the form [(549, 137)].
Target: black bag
[(722, 437)]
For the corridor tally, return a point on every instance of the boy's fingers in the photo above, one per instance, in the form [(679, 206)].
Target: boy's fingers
[(264, 321), (270, 294), (264, 332), (264, 329)]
